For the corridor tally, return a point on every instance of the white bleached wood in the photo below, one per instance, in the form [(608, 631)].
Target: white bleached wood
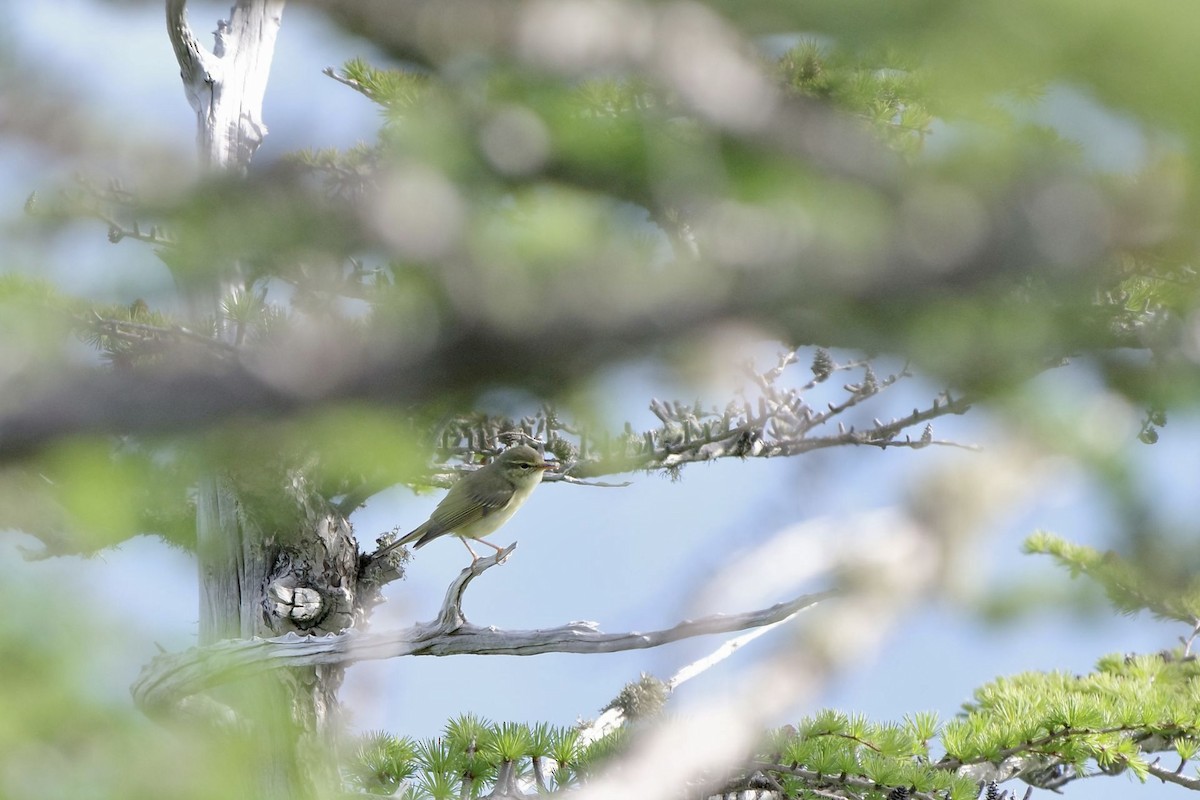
[(614, 718), (226, 86)]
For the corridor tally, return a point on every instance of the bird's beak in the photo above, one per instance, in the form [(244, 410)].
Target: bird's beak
[(547, 465)]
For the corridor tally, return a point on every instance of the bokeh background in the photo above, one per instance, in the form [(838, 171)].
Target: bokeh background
[(632, 558)]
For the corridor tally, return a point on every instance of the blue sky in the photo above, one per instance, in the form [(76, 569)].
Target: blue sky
[(627, 558)]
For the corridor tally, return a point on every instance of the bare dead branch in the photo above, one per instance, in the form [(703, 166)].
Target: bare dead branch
[(169, 679), (194, 61), (552, 477), (727, 649), (228, 113), (451, 617), (614, 717)]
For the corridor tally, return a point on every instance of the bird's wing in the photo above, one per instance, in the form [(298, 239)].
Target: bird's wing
[(463, 505), (459, 508)]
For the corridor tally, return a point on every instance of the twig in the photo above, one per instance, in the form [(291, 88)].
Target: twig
[(119, 326), (1188, 641), (451, 617), (1171, 776), (614, 717), (723, 652), (117, 231), (348, 81), (561, 477)]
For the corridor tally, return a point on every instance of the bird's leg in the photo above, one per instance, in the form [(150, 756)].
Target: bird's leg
[(474, 555), (498, 550)]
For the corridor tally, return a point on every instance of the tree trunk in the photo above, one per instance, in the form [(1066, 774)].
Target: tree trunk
[(273, 556), (269, 566), (225, 87)]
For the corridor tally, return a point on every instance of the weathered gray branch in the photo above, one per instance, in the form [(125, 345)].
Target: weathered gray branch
[(1173, 776), (170, 679), (195, 63)]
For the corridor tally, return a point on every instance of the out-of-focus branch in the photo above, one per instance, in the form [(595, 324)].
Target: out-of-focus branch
[(802, 297), (143, 333), (195, 394), (687, 48), (887, 562), (188, 393)]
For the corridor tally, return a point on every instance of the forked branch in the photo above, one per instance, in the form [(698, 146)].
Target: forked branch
[(169, 680), (228, 111)]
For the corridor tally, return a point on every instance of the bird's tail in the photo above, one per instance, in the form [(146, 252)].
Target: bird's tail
[(412, 535), (416, 533)]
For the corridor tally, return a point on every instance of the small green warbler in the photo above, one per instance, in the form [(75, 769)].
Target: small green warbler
[(481, 501)]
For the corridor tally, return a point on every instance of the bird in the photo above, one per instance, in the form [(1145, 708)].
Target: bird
[(481, 501)]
